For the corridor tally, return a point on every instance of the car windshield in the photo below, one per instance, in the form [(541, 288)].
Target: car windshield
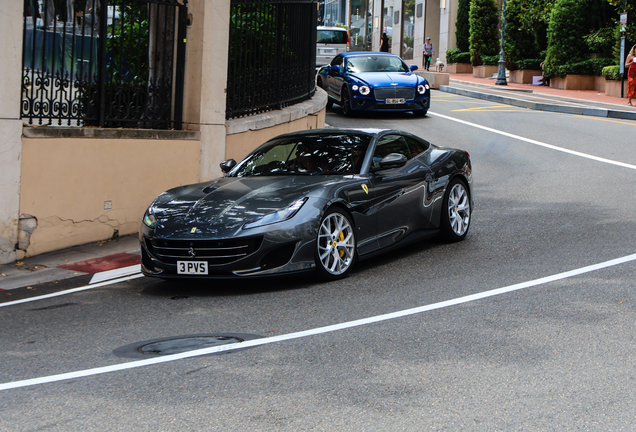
[(337, 153), (376, 64)]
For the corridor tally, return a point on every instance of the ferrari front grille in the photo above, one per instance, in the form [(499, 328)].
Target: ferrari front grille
[(382, 93), (215, 252)]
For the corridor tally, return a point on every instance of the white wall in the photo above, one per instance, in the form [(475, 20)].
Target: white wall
[(10, 126)]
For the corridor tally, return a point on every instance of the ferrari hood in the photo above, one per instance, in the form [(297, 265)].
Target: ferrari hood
[(222, 207), (386, 79)]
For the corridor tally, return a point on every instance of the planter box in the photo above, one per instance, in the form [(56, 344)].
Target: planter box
[(523, 76), (613, 88), (435, 79), (599, 83), (459, 68), (573, 82), (484, 71)]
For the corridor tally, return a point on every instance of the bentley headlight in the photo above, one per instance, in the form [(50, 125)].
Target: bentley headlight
[(149, 219), (421, 89), (364, 90), (278, 216), (354, 87)]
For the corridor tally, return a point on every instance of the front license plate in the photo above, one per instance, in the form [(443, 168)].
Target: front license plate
[(395, 101), (192, 267)]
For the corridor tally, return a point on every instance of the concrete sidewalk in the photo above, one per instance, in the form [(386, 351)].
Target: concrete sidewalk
[(582, 102), (91, 259)]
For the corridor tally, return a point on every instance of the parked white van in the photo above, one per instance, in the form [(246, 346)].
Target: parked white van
[(330, 41)]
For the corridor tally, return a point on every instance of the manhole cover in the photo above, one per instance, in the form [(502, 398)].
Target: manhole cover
[(176, 346), (181, 344)]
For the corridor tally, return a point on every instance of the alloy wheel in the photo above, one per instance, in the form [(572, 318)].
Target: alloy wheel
[(459, 209), (336, 244)]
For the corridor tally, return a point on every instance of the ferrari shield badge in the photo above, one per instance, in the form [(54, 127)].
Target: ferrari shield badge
[(365, 189)]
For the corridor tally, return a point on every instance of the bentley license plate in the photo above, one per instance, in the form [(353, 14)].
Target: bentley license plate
[(395, 101), (192, 267)]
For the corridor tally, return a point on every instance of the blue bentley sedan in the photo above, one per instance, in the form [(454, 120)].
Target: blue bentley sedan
[(374, 81)]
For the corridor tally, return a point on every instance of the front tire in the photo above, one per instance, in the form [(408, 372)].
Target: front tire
[(346, 103), (335, 245), (456, 212)]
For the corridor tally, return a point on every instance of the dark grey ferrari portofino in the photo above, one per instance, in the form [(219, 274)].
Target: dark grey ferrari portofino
[(309, 201)]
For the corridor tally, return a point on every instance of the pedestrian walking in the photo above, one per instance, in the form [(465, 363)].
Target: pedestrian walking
[(429, 52), (631, 75), (384, 46)]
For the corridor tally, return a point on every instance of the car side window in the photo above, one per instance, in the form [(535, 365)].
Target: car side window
[(390, 144), (416, 146), (337, 61)]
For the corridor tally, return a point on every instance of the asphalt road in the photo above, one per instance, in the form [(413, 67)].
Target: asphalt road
[(554, 196)]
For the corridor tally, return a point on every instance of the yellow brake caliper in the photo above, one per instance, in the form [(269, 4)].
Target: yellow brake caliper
[(341, 238)]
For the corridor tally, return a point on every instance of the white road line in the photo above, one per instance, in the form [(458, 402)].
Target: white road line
[(316, 331), (539, 143), (70, 291), (115, 273)]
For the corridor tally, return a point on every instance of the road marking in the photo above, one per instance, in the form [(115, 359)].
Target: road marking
[(316, 331), (538, 143), (115, 273), (493, 109), (606, 120), (71, 291)]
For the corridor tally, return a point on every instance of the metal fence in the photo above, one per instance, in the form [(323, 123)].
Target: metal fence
[(272, 55), (108, 63)]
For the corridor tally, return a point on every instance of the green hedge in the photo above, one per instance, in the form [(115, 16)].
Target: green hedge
[(529, 64), (454, 55), (484, 30), (587, 67), (611, 72), (490, 60)]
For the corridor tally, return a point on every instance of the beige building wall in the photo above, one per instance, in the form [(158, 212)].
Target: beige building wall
[(447, 20), (84, 189), (10, 126)]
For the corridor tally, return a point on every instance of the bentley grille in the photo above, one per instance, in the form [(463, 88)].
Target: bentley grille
[(382, 93), (215, 252)]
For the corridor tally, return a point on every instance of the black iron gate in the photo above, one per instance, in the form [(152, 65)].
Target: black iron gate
[(272, 55), (108, 63)]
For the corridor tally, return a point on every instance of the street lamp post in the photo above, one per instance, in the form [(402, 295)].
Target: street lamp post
[(501, 73)]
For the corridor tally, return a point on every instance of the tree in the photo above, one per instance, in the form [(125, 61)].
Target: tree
[(520, 43), (484, 31), (566, 32), (462, 25)]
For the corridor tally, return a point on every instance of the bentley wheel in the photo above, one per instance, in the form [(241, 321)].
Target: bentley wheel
[(346, 104), (455, 211), (335, 245)]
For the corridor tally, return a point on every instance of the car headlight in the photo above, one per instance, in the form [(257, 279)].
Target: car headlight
[(354, 87), (364, 90), (277, 216), (421, 89), (149, 219)]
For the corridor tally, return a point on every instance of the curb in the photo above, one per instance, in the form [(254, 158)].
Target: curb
[(580, 110)]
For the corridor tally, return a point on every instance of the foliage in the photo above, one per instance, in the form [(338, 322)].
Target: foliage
[(586, 67), (601, 40), (536, 13), (454, 55), (484, 32), (127, 44), (520, 43), (529, 64), (566, 31), (492, 60), (611, 72), (462, 25), (628, 6)]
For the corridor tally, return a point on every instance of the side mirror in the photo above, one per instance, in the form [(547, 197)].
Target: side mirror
[(335, 68), (393, 160), (227, 165), (413, 68)]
